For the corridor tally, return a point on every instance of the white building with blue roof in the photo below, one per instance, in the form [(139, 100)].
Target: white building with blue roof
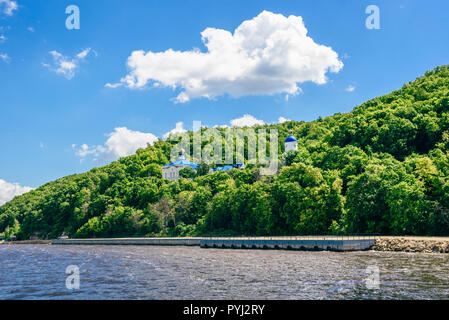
[(171, 171), (228, 167), (291, 143)]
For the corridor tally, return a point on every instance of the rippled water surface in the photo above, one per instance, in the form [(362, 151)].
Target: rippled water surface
[(153, 272)]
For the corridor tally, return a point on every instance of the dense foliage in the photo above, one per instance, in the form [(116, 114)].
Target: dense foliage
[(382, 168)]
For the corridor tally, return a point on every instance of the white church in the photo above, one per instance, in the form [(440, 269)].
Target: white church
[(171, 171), (290, 143)]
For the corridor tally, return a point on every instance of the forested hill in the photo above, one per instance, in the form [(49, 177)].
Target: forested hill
[(382, 168)]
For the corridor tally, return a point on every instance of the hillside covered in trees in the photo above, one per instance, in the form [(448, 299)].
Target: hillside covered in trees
[(382, 168)]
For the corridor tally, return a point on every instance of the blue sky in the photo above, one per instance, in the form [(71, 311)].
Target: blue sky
[(46, 115)]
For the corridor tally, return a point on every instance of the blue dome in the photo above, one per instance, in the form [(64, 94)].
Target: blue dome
[(290, 138)]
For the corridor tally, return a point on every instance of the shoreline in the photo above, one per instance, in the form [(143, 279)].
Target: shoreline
[(382, 243)]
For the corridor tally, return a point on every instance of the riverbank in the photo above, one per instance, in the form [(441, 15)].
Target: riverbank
[(412, 244), (382, 243)]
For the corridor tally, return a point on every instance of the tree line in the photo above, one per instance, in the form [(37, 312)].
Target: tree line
[(381, 168)]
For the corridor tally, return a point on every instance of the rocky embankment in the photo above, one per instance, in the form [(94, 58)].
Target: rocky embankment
[(438, 245)]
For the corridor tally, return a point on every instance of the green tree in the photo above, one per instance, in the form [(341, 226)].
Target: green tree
[(187, 173), (202, 170)]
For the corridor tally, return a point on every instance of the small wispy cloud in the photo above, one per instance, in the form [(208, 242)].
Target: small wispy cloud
[(83, 53), (5, 57), (350, 88), (65, 65), (112, 85), (3, 30), (30, 29), (8, 7)]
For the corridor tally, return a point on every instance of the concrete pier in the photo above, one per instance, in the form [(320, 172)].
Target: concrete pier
[(131, 241), (291, 244), (276, 243)]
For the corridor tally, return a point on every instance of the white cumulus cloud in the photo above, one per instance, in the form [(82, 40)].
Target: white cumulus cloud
[(266, 55), (120, 143), (246, 121), (178, 129), (8, 6), (282, 119), (65, 65), (84, 150), (10, 190)]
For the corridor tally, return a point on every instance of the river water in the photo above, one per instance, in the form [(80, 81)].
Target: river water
[(157, 272)]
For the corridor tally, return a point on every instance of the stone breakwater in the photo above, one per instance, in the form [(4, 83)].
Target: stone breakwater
[(437, 245)]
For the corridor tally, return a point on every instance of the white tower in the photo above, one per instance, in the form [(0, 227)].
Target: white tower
[(291, 143)]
